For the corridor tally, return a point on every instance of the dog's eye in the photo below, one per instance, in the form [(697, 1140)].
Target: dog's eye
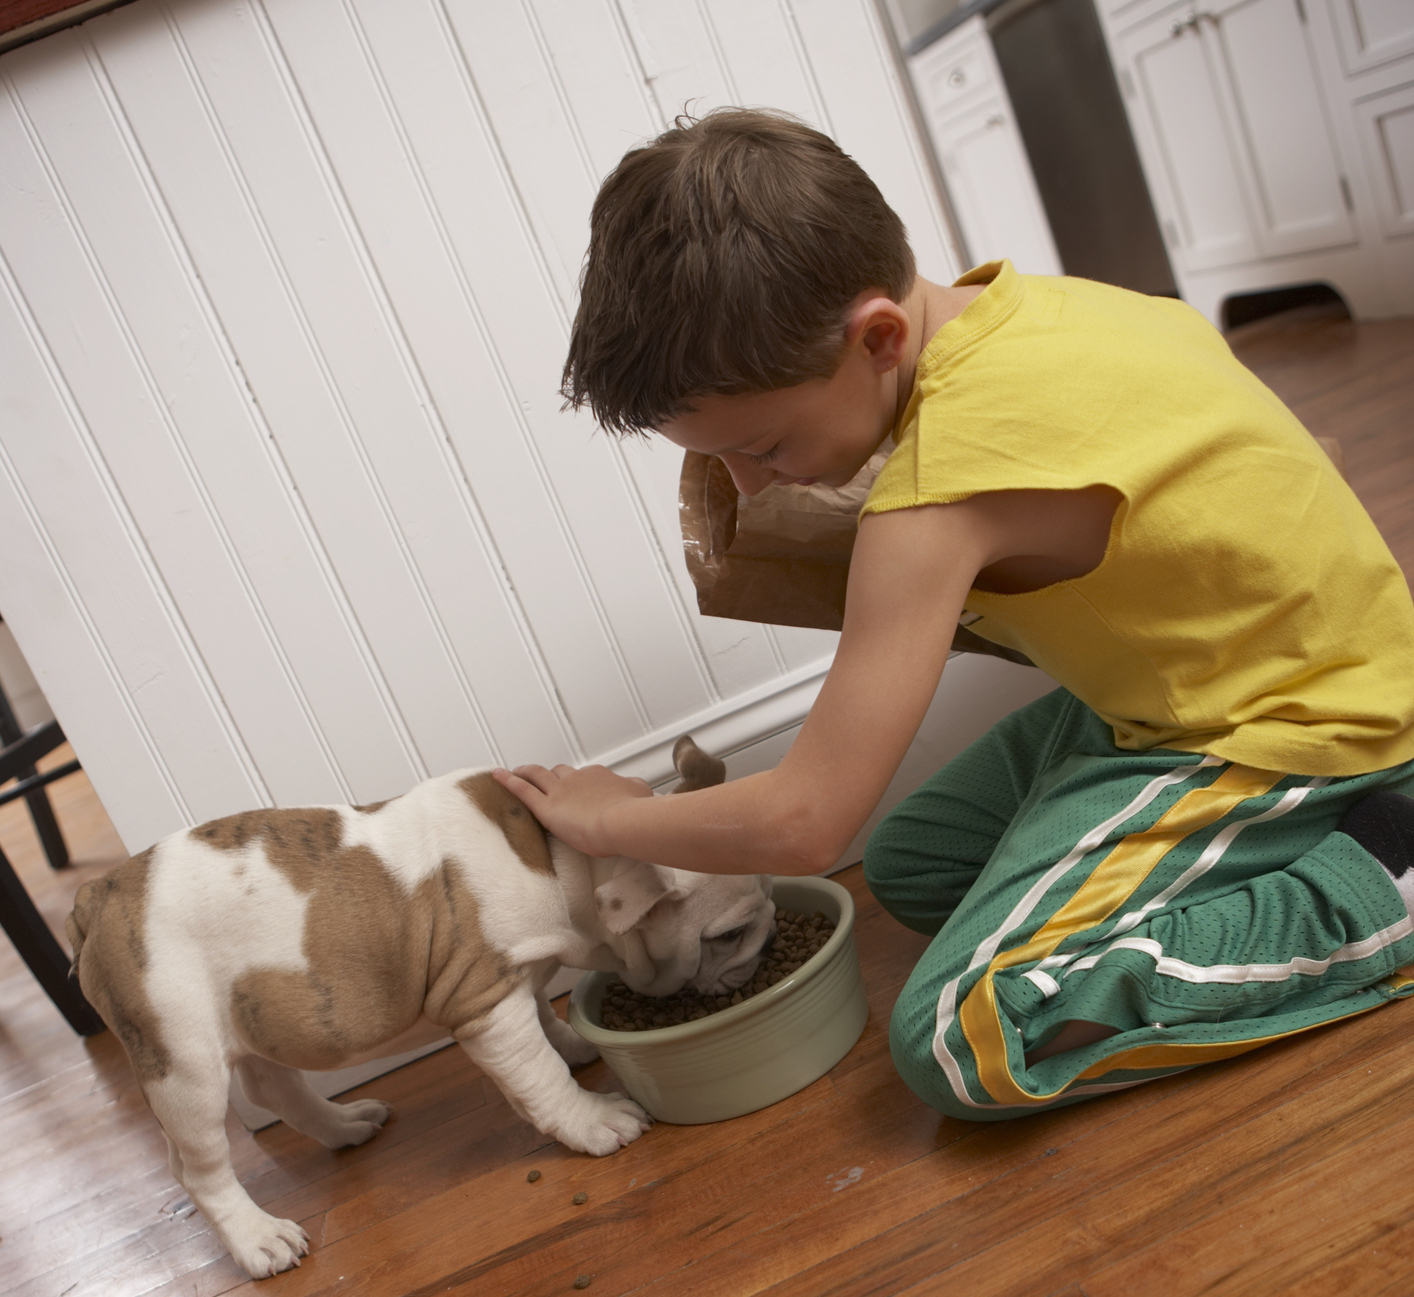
[(733, 935)]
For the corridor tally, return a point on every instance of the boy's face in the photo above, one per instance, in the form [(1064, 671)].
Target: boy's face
[(823, 430)]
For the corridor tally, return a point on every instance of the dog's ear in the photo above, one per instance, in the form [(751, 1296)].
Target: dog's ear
[(623, 901), (697, 769)]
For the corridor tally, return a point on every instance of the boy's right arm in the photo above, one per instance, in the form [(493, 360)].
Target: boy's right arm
[(908, 579)]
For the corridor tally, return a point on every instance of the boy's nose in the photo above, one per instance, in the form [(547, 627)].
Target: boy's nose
[(749, 478)]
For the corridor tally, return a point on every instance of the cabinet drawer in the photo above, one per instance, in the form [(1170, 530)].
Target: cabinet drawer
[(955, 72)]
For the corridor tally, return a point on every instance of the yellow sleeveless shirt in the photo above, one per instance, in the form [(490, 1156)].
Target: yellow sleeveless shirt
[(1246, 606)]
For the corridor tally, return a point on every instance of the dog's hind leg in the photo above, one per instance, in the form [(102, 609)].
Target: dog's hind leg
[(189, 1101), (290, 1097)]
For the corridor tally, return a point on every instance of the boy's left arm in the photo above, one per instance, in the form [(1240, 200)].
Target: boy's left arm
[(908, 579)]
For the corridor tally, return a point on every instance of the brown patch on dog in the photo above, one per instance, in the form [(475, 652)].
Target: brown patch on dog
[(373, 806), (301, 841), (508, 813), (106, 931), (466, 977), (697, 769), (378, 957), (366, 944)]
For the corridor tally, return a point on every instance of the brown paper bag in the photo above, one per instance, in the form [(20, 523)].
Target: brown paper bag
[(782, 556)]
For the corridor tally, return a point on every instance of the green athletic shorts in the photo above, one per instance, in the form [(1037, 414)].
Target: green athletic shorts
[(1199, 907)]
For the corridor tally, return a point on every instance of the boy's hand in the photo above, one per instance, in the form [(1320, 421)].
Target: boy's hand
[(572, 803)]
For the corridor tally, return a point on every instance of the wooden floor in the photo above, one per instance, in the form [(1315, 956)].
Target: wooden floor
[(1288, 1171)]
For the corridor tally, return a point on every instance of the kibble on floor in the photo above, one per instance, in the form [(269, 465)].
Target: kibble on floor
[(798, 938), (580, 1199), (533, 1177)]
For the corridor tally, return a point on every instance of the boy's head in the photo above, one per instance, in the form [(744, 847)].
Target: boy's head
[(724, 258)]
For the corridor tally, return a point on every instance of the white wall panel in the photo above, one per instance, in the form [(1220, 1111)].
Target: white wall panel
[(289, 506)]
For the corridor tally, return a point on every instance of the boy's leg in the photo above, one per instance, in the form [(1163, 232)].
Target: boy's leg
[(927, 852), (1136, 889)]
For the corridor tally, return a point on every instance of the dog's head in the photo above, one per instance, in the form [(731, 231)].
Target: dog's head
[(677, 927)]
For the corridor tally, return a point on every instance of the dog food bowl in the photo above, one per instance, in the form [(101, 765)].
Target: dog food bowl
[(752, 1054)]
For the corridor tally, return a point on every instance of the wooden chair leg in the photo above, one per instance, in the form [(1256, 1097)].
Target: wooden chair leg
[(45, 956)]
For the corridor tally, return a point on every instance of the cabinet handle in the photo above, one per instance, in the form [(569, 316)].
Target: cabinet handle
[(996, 119), (957, 77), (1181, 25)]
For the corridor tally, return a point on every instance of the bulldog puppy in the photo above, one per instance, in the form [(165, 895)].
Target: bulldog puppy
[(281, 940)]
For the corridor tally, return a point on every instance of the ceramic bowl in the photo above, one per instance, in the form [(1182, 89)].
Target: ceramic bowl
[(752, 1054)]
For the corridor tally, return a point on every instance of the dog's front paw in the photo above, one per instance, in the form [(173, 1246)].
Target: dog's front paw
[(264, 1245), (603, 1124)]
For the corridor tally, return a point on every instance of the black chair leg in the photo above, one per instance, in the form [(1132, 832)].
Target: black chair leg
[(45, 956), (56, 851)]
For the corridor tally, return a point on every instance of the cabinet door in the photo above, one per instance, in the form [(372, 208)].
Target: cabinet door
[(1263, 47), (1187, 147), (984, 162), (994, 194), (1237, 130), (1387, 133)]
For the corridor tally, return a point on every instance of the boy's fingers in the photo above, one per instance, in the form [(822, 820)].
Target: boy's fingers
[(515, 782)]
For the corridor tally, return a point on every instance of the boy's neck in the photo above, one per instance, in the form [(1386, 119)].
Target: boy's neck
[(929, 307)]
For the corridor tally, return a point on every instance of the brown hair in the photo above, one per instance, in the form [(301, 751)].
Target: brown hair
[(723, 258)]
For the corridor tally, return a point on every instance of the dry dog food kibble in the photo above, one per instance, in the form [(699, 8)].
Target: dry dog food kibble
[(580, 1199), (533, 1176), (582, 1281), (798, 937)]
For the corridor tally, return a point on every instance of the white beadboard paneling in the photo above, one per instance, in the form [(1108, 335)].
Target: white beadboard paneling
[(595, 504), (444, 334), (160, 352), (272, 380), (371, 470), (553, 181), (71, 498), (871, 119), (289, 288), (679, 56), (759, 49), (73, 665)]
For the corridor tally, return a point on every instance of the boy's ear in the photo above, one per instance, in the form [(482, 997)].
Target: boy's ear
[(880, 326)]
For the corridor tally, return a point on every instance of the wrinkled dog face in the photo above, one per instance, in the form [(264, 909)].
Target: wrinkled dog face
[(709, 930), (678, 928)]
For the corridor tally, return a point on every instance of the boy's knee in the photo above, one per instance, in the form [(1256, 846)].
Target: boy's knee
[(892, 882), (911, 1044), (912, 886)]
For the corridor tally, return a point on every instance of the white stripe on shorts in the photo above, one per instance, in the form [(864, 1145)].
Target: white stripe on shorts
[(947, 999)]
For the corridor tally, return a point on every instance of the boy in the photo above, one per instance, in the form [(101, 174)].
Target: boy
[(1199, 843)]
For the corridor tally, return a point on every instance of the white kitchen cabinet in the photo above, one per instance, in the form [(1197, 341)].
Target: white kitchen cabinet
[(989, 179), (1373, 32), (1232, 96), (1273, 151), (1387, 132)]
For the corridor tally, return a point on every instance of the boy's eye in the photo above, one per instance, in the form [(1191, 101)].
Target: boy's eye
[(767, 457)]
